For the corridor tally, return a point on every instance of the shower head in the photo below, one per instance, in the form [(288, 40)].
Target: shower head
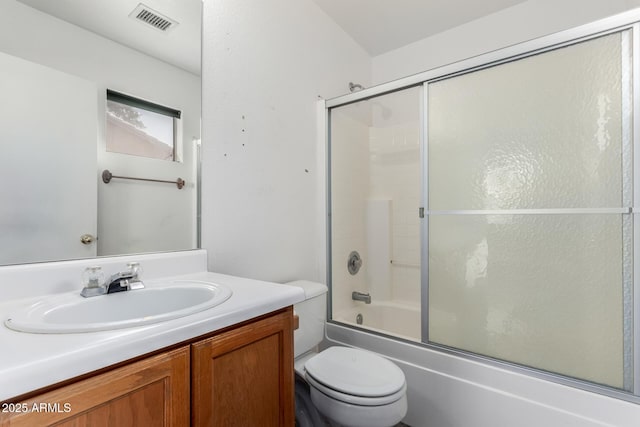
[(355, 86)]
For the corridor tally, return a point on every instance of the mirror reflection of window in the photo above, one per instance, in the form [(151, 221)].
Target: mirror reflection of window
[(140, 128)]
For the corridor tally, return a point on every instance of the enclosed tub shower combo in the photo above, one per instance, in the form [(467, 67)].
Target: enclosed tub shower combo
[(492, 205)]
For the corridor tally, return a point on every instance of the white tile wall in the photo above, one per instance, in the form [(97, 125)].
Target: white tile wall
[(395, 174)]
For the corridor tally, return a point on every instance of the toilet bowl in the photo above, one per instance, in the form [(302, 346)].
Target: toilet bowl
[(349, 387), (354, 387)]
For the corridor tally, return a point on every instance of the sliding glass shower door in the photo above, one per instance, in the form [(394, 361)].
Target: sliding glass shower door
[(530, 232)]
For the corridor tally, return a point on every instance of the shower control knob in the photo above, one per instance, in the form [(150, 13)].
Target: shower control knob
[(354, 262)]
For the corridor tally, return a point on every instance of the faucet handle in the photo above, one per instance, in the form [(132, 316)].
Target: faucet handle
[(93, 277), (93, 282), (135, 269)]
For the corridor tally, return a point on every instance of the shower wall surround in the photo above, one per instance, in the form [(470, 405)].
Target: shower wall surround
[(348, 224), (395, 175)]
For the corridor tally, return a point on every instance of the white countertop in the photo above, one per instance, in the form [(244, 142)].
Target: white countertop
[(32, 361)]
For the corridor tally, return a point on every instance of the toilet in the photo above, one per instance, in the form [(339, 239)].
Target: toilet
[(346, 386)]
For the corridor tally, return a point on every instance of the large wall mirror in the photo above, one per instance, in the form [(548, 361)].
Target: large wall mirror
[(58, 61)]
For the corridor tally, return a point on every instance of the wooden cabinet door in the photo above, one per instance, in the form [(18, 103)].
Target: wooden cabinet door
[(152, 392), (244, 377)]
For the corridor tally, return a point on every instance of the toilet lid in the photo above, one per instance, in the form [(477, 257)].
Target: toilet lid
[(356, 372)]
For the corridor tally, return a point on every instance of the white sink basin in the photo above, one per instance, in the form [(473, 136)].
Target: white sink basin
[(71, 313)]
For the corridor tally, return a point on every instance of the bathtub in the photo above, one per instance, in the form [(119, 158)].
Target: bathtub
[(389, 317), (444, 389)]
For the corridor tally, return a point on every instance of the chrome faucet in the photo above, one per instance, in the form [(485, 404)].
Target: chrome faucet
[(360, 296), (95, 284), (127, 280)]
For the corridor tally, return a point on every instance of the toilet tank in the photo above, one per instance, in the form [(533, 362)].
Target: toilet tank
[(312, 313)]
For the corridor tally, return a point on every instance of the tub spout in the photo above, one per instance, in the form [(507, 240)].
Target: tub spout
[(360, 296)]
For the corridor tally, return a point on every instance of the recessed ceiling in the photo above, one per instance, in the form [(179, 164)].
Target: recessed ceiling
[(180, 46), (383, 25)]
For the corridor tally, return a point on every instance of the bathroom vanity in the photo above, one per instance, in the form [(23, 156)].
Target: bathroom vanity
[(228, 365)]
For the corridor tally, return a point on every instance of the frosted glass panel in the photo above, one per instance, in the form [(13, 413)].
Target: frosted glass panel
[(541, 132), (540, 290)]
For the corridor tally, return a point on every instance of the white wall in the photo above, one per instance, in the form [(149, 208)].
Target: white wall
[(264, 65), (445, 390), (519, 23), (149, 217)]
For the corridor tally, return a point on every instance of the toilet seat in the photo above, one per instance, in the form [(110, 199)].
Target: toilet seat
[(354, 399), (355, 376)]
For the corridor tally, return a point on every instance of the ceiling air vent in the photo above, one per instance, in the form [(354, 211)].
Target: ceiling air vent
[(151, 17)]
